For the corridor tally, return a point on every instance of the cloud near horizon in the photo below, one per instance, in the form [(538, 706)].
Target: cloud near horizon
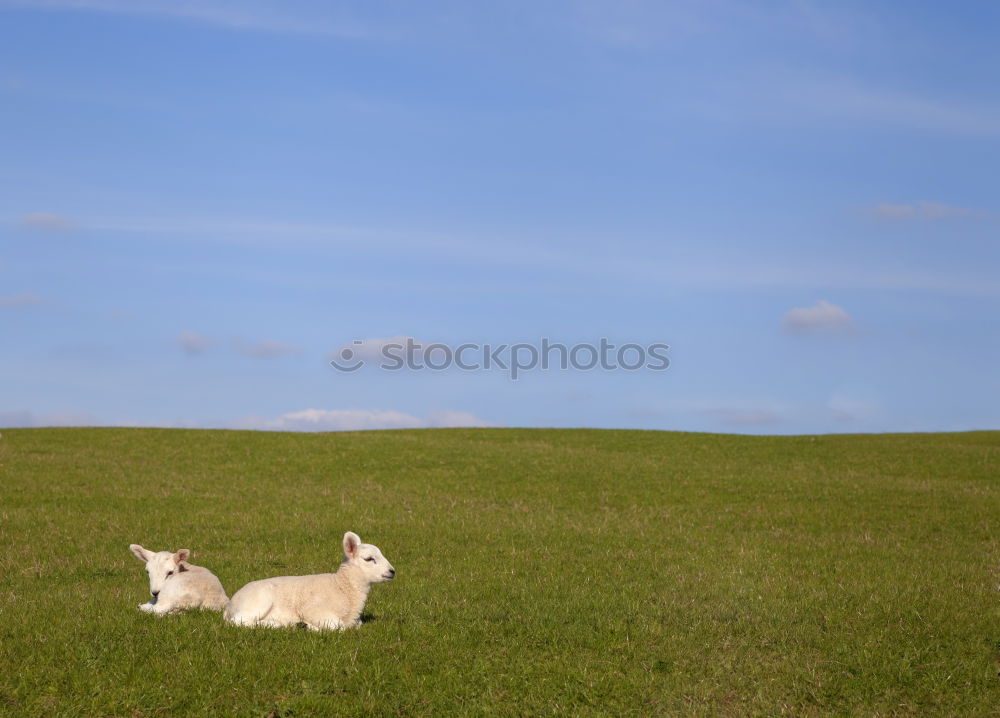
[(307, 420), (823, 316), (737, 412), (730, 416), (360, 420), (31, 420), (845, 408)]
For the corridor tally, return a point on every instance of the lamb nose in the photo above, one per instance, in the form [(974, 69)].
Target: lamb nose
[(392, 572), (155, 593)]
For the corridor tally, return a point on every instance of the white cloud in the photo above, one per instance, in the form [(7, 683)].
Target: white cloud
[(926, 210), (45, 221), (193, 343), (21, 300), (265, 349), (823, 316), (359, 420)]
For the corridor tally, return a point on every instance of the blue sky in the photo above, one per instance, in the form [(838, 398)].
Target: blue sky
[(202, 200)]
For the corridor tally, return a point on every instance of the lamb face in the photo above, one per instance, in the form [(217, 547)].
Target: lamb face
[(161, 566), (374, 566)]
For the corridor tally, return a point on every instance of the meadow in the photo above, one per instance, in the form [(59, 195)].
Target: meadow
[(540, 572)]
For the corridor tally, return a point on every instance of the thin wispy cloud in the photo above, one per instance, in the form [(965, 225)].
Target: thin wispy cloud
[(193, 344), (781, 95), (239, 16), (853, 99), (926, 210), (646, 26), (846, 408), (85, 350), (730, 412), (266, 349), (226, 228), (45, 221), (731, 416), (21, 300), (499, 251), (821, 317), (776, 92), (639, 26)]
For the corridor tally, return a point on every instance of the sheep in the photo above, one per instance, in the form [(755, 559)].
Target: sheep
[(326, 601), (176, 585)]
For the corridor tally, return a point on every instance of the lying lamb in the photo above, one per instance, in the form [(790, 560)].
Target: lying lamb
[(321, 601), (176, 585)]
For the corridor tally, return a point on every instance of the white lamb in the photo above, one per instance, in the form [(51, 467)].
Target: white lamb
[(176, 585), (328, 601)]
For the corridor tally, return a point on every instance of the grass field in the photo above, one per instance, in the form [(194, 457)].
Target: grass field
[(540, 572)]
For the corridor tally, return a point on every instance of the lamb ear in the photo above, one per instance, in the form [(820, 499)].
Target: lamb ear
[(140, 553), (181, 555), (351, 543)]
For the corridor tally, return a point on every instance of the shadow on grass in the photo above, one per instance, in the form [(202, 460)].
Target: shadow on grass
[(365, 618)]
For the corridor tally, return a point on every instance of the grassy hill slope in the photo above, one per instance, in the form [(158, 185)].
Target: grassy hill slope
[(539, 572)]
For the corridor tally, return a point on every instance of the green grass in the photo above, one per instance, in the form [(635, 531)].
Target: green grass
[(539, 572)]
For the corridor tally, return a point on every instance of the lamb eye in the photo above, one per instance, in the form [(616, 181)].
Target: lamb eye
[(170, 573), (370, 559)]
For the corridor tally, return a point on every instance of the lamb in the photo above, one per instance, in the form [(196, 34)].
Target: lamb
[(326, 601), (176, 585)]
